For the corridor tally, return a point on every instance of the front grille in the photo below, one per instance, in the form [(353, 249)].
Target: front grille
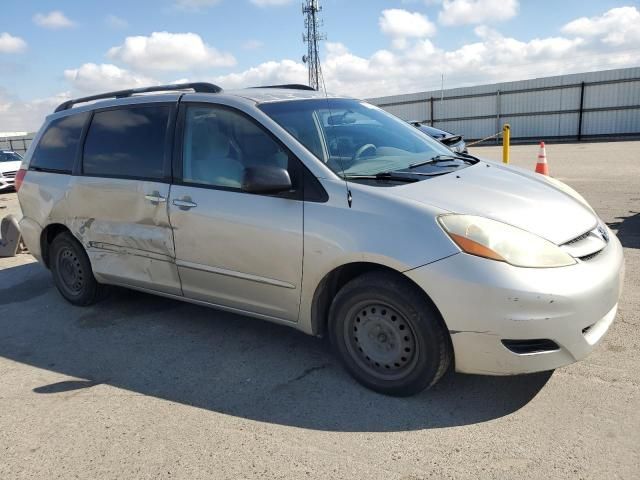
[(537, 345), (587, 246), (591, 256), (9, 174), (578, 238)]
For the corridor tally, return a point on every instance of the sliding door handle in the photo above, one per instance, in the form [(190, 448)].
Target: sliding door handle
[(184, 204)]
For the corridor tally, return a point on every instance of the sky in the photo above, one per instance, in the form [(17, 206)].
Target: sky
[(52, 50)]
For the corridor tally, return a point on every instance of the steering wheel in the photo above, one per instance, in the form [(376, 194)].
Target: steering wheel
[(364, 148)]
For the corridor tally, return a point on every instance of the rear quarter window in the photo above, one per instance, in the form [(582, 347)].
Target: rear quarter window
[(56, 151), (127, 142)]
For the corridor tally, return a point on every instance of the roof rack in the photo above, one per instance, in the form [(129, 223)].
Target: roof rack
[(200, 87), (290, 86)]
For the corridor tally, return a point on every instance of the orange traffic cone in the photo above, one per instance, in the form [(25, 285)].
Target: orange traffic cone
[(541, 166)]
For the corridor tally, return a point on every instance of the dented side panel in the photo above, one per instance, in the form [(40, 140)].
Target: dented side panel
[(127, 235)]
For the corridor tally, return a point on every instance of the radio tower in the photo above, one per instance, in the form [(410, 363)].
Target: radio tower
[(312, 23)]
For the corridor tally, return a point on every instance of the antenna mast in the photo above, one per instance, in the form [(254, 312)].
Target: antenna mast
[(312, 23)]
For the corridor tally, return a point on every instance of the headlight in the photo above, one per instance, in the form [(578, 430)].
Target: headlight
[(498, 241)]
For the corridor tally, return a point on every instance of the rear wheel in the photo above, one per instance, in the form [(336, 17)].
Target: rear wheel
[(388, 335), (72, 271)]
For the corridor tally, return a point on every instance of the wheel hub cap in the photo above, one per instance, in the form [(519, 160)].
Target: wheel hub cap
[(381, 340), (70, 270)]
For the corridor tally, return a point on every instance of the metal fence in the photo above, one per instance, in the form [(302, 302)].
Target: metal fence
[(568, 107), (17, 144)]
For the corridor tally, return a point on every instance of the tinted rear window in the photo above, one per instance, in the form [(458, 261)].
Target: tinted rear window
[(127, 142), (56, 151)]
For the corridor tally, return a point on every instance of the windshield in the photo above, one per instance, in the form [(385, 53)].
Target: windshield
[(353, 137), (7, 156)]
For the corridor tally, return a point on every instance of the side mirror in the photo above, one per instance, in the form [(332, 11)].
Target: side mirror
[(266, 179)]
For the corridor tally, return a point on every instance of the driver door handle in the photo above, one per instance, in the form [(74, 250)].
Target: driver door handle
[(184, 204)]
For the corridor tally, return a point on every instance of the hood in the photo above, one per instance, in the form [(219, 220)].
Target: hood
[(506, 195)]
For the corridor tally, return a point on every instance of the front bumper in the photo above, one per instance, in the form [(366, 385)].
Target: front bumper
[(484, 302)]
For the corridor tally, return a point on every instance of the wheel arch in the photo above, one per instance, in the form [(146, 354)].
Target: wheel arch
[(50, 232), (333, 281)]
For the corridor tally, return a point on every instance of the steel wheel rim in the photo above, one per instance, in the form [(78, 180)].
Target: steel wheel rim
[(70, 271), (381, 340)]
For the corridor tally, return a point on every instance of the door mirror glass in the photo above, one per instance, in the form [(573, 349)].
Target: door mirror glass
[(266, 179)]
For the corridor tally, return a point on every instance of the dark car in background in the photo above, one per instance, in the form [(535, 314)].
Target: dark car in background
[(451, 140)]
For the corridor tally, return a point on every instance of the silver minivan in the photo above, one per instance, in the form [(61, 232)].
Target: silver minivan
[(326, 214)]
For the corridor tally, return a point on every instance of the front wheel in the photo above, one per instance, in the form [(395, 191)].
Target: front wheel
[(388, 335), (72, 271)]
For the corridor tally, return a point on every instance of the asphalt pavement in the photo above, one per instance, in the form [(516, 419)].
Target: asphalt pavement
[(141, 387)]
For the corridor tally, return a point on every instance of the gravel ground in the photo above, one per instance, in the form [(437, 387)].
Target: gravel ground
[(143, 387)]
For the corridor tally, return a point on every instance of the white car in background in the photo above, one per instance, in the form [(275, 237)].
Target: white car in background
[(9, 164)]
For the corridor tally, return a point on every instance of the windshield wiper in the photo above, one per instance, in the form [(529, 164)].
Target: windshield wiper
[(392, 176), (468, 155), (442, 158)]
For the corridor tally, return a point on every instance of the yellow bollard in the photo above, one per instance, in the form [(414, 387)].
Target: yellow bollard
[(506, 139)]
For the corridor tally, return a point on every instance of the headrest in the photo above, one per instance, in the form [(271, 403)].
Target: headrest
[(219, 144)]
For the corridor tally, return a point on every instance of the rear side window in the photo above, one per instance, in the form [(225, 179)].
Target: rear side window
[(128, 142), (56, 151)]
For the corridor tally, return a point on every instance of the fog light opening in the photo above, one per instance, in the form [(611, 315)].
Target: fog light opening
[(538, 345)]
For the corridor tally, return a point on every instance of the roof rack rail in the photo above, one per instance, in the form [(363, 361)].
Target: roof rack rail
[(200, 87), (290, 86)]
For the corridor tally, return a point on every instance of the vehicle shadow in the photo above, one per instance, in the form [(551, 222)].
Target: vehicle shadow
[(223, 362), (628, 229)]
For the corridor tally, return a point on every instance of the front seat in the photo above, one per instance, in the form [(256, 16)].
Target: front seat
[(212, 163)]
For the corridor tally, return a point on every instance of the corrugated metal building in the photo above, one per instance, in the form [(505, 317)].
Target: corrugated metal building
[(567, 107), (17, 143)]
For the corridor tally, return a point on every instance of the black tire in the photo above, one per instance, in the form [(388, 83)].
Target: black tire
[(72, 271), (388, 334)]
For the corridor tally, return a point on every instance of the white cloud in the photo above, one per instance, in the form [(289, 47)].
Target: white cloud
[(493, 58), (116, 22), (91, 78), (11, 44), (268, 73), (169, 52), (402, 25), (618, 26), (460, 12), (18, 115), (196, 4), (53, 20), (271, 3), (252, 44)]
